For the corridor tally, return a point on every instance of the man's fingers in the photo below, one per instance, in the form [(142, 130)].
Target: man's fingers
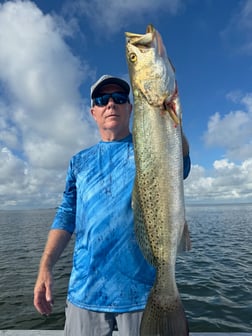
[(43, 301)]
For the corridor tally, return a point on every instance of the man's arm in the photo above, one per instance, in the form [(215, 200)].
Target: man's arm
[(185, 145), (43, 292), (186, 157)]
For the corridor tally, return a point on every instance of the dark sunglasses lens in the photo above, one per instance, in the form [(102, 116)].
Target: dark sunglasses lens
[(102, 100), (119, 98)]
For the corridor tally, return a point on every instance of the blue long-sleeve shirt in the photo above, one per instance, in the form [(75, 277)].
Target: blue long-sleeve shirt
[(109, 272)]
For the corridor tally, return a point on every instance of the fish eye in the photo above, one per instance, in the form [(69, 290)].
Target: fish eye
[(133, 57)]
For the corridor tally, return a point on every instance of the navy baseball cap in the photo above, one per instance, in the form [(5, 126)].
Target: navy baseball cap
[(105, 80)]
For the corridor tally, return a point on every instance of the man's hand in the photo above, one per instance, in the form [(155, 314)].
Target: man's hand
[(43, 293), (43, 296)]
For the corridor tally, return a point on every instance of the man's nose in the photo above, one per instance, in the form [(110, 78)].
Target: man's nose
[(111, 102)]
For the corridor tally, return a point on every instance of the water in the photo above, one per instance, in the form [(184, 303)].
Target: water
[(214, 279)]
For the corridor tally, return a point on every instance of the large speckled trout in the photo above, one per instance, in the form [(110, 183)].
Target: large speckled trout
[(158, 196)]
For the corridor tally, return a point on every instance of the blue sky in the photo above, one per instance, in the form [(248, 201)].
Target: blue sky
[(52, 51)]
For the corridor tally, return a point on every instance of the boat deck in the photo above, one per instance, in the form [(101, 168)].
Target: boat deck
[(60, 333)]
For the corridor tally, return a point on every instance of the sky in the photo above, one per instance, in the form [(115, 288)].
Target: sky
[(51, 52)]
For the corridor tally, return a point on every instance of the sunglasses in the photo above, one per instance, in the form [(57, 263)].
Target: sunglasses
[(118, 98)]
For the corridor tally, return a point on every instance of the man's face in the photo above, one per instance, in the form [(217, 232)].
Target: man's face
[(112, 117)]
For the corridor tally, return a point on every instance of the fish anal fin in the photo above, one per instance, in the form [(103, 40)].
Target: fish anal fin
[(185, 242)]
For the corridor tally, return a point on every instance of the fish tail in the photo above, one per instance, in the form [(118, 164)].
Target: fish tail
[(163, 318)]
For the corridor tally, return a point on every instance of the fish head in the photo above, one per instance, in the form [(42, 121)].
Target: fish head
[(151, 73)]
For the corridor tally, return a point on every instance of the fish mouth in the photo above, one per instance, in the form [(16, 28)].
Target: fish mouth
[(141, 40), (150, 39)]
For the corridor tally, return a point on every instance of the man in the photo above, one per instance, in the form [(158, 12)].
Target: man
[(110, 280)]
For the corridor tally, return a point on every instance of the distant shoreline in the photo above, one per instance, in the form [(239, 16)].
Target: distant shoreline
[(200, 204)]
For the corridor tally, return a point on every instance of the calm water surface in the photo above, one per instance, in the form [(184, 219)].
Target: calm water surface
[(214, 279)]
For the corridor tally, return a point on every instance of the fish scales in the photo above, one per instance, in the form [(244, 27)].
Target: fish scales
[(158, 200), (158, 196)]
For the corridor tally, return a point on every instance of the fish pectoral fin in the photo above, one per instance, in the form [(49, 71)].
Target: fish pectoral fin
[(185, 242), (172, 113), (172, 106), (174, 116)]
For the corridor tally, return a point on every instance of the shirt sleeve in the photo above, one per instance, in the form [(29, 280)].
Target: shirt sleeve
[(187, 165), (65, 216)]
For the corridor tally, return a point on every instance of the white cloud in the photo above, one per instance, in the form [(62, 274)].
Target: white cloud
[(42, 119), (114, 14), (23, 186), (232, 131), (247, 101), (228, 182)]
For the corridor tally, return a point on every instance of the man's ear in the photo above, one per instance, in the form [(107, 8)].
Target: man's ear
[(92, 111), (130, 108)]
